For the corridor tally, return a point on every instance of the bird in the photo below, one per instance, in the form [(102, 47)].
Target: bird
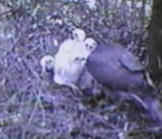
[(91, 4), (70, 59), (69, 72), (47, 63), (67, 47), (78, 34), (47, 67), (69, 62), (88, 85), (119, 70), (89, 46)]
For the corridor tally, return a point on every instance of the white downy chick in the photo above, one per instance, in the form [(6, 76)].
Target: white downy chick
[(69, 46), (65, 69), (47, 63), (70, 68), (78, 35), (91, 4), (90, 45)]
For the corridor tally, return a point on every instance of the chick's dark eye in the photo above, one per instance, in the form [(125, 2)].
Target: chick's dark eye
[(75, 35), (77, 58), (86, 45), (49, 62), (83, 59)]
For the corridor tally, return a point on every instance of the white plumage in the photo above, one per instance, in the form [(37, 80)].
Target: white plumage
[(78, 35), (69, 71), (47, 63), (70, 59), (91, 4), (90, 45)]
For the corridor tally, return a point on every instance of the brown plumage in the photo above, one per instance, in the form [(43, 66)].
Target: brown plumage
[(118, 69)]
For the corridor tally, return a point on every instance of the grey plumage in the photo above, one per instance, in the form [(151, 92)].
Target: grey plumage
[(120, 70), (117, 68)]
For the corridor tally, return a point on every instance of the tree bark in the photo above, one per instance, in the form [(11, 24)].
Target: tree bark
[(155, 42)]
